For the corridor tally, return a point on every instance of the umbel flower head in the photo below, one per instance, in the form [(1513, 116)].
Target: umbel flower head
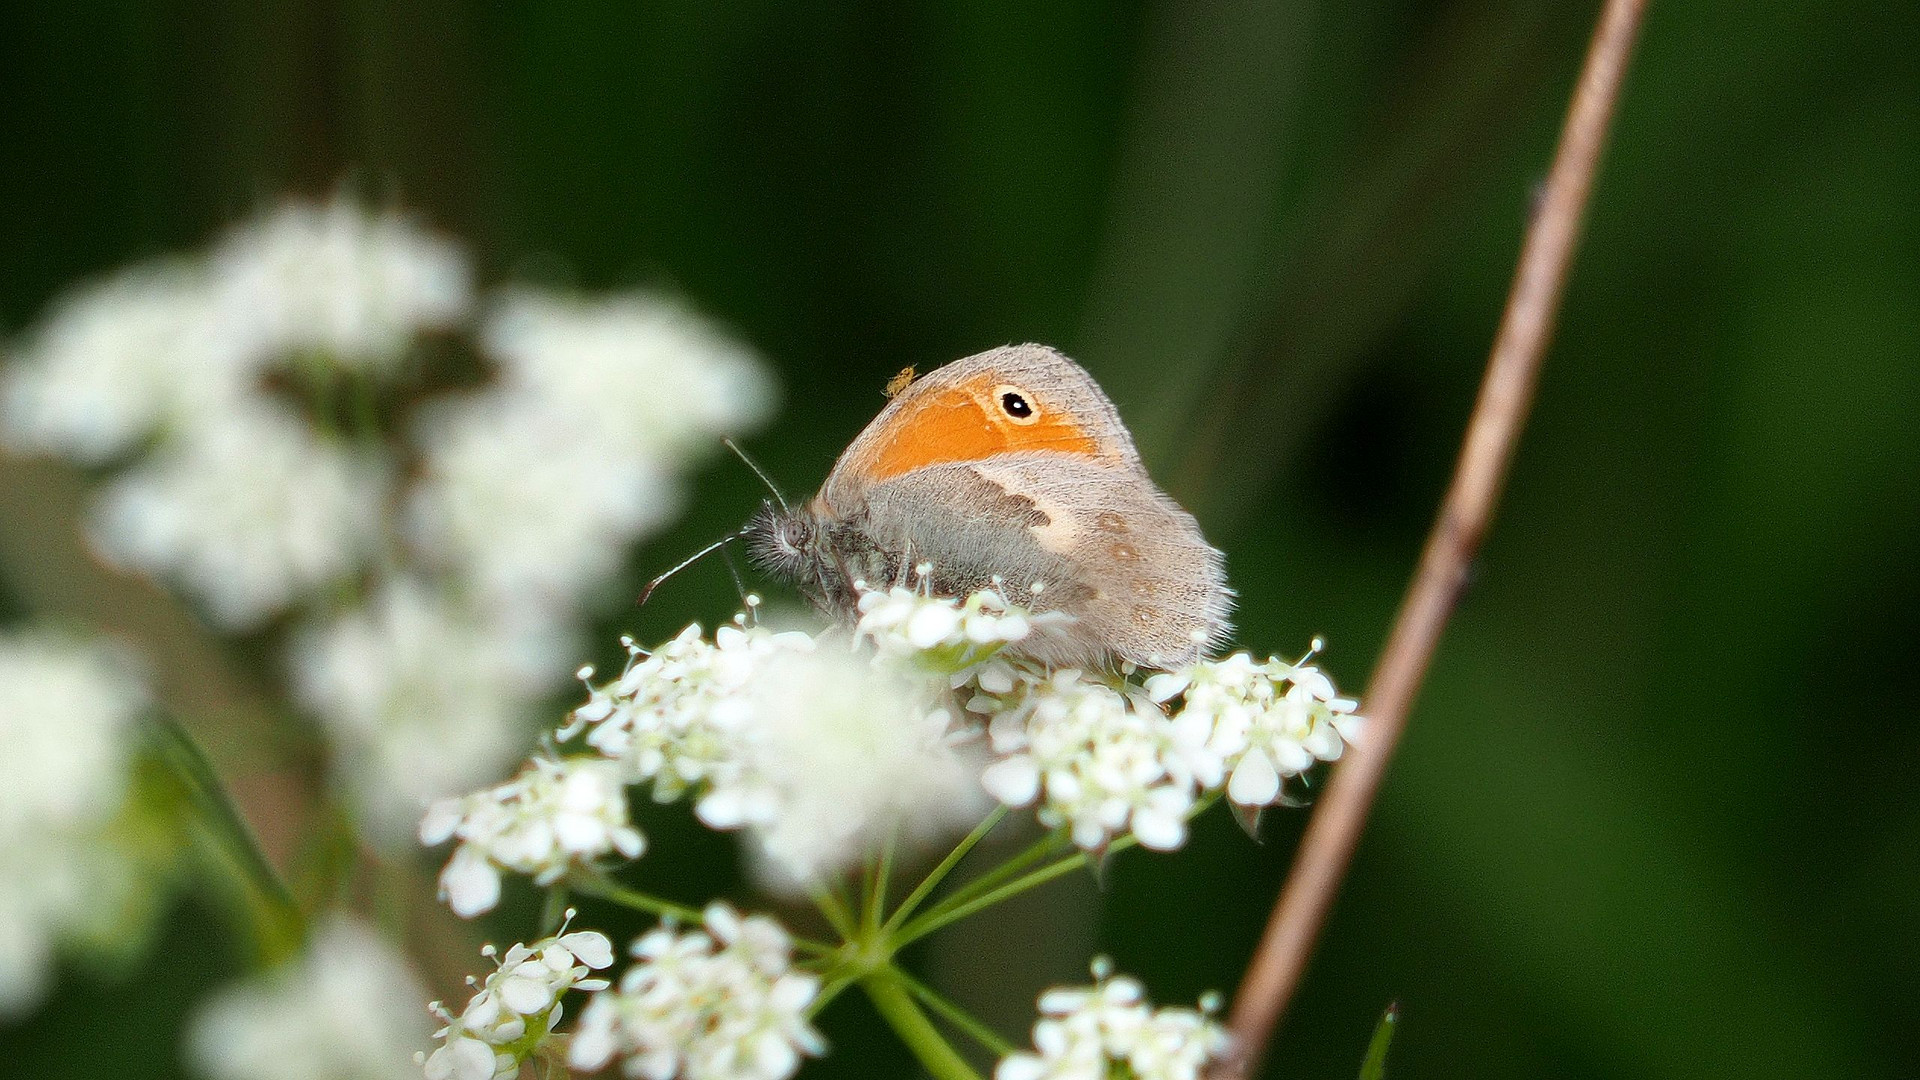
[(820, 747), (1258, 722), (721, 1003), (268, 453), (248, 509), (553, 817), (516, 1007), (67, 713), (1093, 1032), (1099, 760)]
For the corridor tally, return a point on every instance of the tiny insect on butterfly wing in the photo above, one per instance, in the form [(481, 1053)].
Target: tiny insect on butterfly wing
[(900, 381), (1013, 467)]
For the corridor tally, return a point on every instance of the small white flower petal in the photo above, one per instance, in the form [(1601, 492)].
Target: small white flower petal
[(591, 946), (526, 996), (1159, 831), (461, 1059), (931, 625), (1254, 782), (1015, 781), (470, 884)]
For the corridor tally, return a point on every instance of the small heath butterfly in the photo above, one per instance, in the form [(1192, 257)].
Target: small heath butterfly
[(1009, 470)]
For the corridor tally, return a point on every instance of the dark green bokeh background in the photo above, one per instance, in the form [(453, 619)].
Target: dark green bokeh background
[(1656, 814)]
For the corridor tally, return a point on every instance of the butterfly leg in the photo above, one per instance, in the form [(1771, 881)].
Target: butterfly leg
[(905, 568)]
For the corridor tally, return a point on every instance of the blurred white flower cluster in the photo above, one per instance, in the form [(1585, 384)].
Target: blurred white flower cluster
[(1107, 1029), (535, 487), (346, 1009), (67, 710), (516, 1008), (723, 1003), (181, 343), (273, 457)]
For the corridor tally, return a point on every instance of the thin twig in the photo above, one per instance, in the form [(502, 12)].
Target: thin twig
[(1492, 432)]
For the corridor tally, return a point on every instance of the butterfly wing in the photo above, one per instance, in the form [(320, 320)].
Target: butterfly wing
[(1063, 532), (960, 413)]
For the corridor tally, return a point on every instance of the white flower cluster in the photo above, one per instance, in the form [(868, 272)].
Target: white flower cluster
[(347, 1009), (241, 503), (516, 1008), (1104, 758), (421, 695), (822, 748), (169, 344), (242, 396), (723, 1003), (753, 722), (676, 715), (248, 509), (1258, 723), (330, 280), (1099, 760), (535, 487), (842, 752), (67, 710), (947, 635), (530, 494), (554, 816), (1092, 1032)]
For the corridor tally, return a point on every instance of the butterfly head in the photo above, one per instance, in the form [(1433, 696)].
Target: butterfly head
[(786, 542)]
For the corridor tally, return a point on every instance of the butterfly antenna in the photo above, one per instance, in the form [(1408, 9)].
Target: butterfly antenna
[(733, 571), (757, 471), (686, 562)]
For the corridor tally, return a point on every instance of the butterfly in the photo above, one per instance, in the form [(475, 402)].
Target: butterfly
[(1009, 470)]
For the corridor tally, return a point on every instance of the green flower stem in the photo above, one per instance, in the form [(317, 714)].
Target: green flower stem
[(828, 991), (612, 891), (393, 899), (366, 408), (951, 913), (1047, 845), (835, 909), (985, 890), (946, 866), (278, 926), (957, 1016), (877, 882), (554, 912), (318, 365), (896, 1005)]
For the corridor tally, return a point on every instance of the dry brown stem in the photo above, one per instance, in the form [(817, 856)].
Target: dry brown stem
[(1492, 433)]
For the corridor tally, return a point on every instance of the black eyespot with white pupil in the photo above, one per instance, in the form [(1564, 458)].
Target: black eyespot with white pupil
[(1016, 404)]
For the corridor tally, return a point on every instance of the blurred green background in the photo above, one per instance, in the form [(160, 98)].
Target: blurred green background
[(1656, 813)]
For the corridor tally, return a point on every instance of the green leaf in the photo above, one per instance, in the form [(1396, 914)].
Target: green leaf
[(1374, 1067), (278, 926)]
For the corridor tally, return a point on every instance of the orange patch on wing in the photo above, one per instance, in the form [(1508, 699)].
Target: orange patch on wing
[(959, 424)]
